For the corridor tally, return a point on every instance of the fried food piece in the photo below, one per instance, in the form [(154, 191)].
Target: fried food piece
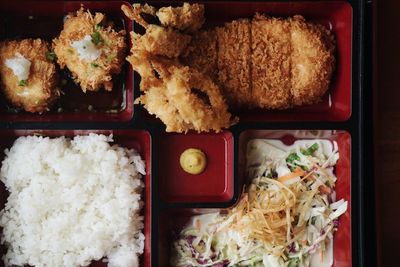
[(202, 54), (157, 40), (313, 61), (189, 17), (142, 14), (39, 91), (234, 60), (196, 97), (162, 41), (271, 57), (91, 49)]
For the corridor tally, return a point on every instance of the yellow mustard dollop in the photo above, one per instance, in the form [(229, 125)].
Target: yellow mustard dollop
[(193, 161)]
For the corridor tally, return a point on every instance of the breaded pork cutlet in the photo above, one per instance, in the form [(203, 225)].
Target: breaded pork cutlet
[(28, 74), (312, 60), (202, 53), (91, 49), (270, 62), (234, 56)]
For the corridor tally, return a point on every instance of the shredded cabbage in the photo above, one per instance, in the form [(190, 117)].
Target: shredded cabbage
[(287, 214)]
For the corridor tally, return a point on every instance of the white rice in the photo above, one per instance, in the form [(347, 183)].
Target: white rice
[(71, 202)]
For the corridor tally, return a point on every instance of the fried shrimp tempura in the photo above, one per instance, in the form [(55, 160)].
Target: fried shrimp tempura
[(90, 49), (182, 97), (162, 41), (40, 90), (201, 53), (189, 17)]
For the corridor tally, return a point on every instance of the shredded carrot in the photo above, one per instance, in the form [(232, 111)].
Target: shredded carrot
[(297, 172)]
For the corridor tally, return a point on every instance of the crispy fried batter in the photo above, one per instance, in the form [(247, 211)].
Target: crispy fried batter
[(189, 17), (270, 57), (136, 12), (234, 56), (201, 53), (182, 97), (313, 61), (196, 97), (98, 73), (42, 84), (162, 41)]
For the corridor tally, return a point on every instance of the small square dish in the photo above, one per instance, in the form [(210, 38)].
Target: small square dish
[(139, 140), (213, 185), (44, 19)]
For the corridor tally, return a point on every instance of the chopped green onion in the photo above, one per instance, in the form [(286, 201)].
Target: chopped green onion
[(96, 38), (23, 83), (94, 65), (292, 158), (51, 56), (98, 27), (309, 151)]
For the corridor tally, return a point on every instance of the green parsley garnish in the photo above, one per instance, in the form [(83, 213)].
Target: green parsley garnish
[(23, 83), (96, 37), (94, 65), (51, 56), (98, 27)]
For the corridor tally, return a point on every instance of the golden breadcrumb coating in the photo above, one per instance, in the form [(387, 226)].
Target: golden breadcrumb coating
[(290, 62), (234, 56), (270, 57), (41, 89), (313, 61), (189, 17), (201, 53), (91, 75)]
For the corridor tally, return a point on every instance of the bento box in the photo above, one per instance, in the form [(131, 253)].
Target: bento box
[(172, 196)]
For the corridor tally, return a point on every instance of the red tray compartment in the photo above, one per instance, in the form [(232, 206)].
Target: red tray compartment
[(336, 104), (44, 19), (214, 184), (171, 221), (137, 139)]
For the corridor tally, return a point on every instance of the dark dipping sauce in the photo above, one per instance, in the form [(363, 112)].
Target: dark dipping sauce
[(72, 99)]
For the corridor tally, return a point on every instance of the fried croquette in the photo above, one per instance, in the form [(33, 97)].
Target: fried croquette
[(312, 60), (270, 61), (28, 75), (91, 49)]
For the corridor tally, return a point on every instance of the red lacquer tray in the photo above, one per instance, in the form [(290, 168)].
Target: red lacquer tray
[(171, 195)]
